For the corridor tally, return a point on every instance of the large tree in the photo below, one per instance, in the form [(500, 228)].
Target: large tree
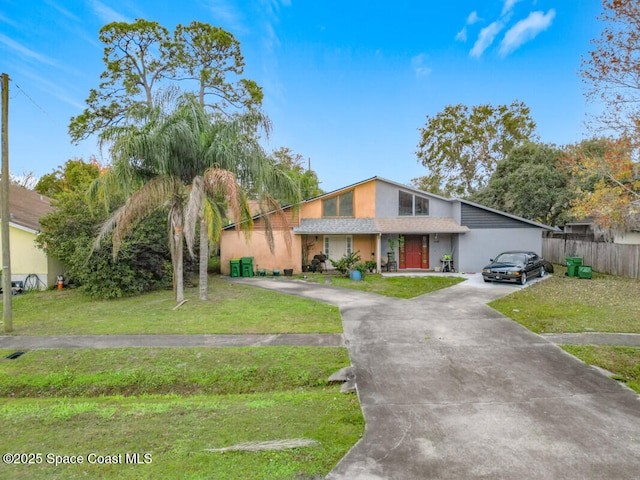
[(461, 146), (611, 71), (75, 175), (292, 164), (68, 234), (142, 58), (606, 180), (194, 166), (530, 184)]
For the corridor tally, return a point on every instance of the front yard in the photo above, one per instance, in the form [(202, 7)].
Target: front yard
[(562, 304), (159, 412), (172, 412)]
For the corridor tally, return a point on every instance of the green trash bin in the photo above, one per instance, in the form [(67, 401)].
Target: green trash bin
[(585, 271), (246, 266), (572, 266), (235, 267)]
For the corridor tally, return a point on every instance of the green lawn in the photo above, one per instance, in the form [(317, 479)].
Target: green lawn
[(175, 404), (562, 304), (399, 287), (231, 309)]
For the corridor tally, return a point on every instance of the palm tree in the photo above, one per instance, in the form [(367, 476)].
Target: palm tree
[(197, 167)]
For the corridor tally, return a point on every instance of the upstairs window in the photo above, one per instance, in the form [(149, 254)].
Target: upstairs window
[(338, 206), (330, 207), (410, 205), (405, 204), (422, 206)]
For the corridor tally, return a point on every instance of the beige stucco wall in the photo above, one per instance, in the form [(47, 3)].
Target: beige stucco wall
[(367, 245), (365, 200), (235, 245), (26, 258)]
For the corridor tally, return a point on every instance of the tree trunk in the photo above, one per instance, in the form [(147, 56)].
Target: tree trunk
[(178, 264), (203, 281)]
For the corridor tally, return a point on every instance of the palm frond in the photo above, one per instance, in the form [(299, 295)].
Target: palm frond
[(153, 195)]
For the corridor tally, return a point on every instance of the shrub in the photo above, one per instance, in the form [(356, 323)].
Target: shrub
[(347, 262)]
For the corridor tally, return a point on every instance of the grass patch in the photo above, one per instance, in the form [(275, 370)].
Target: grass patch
[(178, 371), (232, 309), (561, 304), (399, 287), (173, 405), (175, 432), (624, 362)]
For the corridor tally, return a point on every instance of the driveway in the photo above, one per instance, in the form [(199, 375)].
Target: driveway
[(451, 389)]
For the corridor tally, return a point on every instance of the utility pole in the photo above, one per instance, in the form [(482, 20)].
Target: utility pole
[(7, 295)]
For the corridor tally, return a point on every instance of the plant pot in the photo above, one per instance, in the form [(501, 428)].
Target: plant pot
[(355, 275)]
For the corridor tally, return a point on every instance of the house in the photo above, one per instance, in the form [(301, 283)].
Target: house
[(27, 260), (387, 222), (587, 229)]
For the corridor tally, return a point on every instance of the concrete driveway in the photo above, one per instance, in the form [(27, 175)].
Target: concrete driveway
[(451, 389)]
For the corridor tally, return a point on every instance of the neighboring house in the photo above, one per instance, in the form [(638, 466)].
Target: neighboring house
[(376, 216), (589, 231), (25, 209)]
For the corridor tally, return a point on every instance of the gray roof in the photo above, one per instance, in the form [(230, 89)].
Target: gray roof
[(343, 226), (27, 206)]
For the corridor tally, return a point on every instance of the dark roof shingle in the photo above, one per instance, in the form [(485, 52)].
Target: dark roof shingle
[(27, 206)]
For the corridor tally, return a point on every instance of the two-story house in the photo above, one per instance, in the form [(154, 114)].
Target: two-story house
[(382, 220)]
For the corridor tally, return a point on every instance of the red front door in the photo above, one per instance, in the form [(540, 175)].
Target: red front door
[(416, 251)]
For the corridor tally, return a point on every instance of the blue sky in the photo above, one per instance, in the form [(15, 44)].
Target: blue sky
[(347, 84)]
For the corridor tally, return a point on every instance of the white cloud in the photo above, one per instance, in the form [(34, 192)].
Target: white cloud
[(107, 14), (508, 6), (25, 52), (228, 16), (418, 63), (471, 19), (462, 35), (485, 38), (62, 10), (526, 30)]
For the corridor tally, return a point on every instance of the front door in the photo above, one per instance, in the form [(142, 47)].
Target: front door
[(416, 251)]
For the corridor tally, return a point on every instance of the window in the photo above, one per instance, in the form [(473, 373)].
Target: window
[(422, 206), (349, 244), (346, 204), (326, 246), (330, 207), (410, 205), (405, 204), (339, 206)]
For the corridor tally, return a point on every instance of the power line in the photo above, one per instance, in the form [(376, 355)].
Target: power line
[(34, 102)]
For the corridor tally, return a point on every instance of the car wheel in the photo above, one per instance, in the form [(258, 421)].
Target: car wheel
[(542, 272), (486, 281), (523, 278)]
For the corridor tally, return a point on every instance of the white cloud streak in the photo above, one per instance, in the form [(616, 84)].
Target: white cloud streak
[(25, 52), (485, 38), (526, 30), (420, 68), (107, 14), (473, 17), (508, 6)]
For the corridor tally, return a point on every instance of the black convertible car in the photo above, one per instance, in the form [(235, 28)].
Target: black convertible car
[(515, 266)]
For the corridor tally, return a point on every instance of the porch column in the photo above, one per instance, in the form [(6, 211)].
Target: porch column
[(378, 256)]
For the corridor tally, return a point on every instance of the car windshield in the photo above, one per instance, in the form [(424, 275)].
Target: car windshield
[(511, 258)]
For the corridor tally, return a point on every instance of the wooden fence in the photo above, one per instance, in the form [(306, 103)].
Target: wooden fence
[(604, 257)]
